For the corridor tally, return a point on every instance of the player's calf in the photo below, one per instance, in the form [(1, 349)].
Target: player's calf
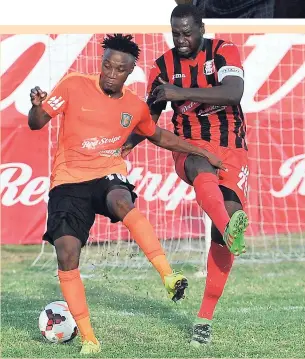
[(204, 178), (119, 202), (68, 250)]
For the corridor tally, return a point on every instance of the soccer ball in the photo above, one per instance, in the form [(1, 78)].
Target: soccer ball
[(56, 323)]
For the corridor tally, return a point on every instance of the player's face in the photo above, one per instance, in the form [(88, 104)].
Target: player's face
[(187, 35), (116, 67)]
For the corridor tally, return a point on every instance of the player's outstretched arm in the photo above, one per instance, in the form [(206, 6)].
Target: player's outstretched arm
[(169, 141), (37, 117)]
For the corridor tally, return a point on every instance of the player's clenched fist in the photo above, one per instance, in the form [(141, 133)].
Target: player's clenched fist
[(37, 96)]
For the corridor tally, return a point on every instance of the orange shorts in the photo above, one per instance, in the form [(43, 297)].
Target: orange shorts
[(234, 159)]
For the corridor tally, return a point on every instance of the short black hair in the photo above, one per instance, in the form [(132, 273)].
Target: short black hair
[(123, 43), (184, 10)]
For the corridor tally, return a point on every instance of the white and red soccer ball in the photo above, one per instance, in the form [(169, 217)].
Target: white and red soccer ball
[(56, 323)]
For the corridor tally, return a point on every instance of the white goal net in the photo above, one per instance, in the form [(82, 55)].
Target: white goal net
[(274, 109)]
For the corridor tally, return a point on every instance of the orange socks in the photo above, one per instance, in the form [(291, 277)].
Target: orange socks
[(161, 265), (86, 330), (73, 291), (143, 233)]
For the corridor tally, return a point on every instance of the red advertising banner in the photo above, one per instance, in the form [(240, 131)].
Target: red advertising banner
[(274, 107)]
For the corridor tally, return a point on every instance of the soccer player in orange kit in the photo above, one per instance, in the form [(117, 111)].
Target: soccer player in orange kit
[(89, 174)]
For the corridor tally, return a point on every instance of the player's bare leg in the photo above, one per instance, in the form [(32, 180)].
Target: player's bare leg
[(68, 249), (119, 203), (209, 197), (220, 261)]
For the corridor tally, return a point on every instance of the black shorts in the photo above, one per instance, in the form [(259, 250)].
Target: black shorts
[(72, 207)]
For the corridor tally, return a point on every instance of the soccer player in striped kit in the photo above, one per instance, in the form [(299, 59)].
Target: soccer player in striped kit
[(203, 81)]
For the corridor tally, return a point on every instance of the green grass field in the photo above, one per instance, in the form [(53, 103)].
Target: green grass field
[(261, 314)]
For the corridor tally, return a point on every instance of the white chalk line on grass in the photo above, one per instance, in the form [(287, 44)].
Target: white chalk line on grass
[(124, 313)]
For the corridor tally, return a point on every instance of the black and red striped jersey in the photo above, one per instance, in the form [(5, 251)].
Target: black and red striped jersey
[(224, 125)]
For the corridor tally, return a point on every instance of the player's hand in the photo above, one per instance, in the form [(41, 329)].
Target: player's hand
[(37, 96), (167, 92), (216, 162), (126, 149)]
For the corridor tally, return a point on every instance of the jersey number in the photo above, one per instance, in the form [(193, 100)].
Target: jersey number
[(119, 176), (243, 182)]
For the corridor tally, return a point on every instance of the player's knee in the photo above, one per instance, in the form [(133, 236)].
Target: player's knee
[(119, 203), (67, 261), (195, 165), (68, 252), (123, 206)]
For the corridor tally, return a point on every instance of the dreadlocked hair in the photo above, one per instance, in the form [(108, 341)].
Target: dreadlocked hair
[(123, 43)]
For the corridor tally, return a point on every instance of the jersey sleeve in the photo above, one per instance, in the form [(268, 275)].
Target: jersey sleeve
[(57, 101), (146, 126), (227, 61), (153, 82)]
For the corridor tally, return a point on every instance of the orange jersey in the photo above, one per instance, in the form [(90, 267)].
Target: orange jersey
[(93, 128)]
